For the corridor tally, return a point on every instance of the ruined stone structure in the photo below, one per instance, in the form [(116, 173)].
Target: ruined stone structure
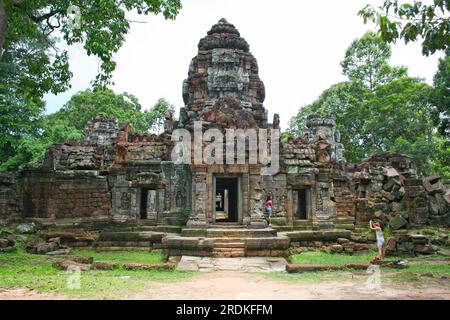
[(114, 175)]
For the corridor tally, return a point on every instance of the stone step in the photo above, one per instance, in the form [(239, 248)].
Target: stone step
[(229, 245), (229, 233), (228, 249), (344, 226), (145, 244), (132, 236), (318, 235), (228, 252), (299, 223), (248, 233), (161, 228), (227, 240), (202, 246), (231, 225)]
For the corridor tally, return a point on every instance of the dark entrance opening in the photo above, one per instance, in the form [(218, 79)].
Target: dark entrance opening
[(148, 207), (143, 204), (301, 203), (226, 201)]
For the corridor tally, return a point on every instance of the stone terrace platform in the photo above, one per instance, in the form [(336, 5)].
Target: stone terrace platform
[(247, 264), (227, 241)]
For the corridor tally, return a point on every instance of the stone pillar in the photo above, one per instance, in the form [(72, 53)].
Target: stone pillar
[(199, 196), (257, 197)]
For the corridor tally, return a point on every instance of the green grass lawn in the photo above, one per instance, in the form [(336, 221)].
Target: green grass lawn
[(329, 259), (21, 269), (417, 267)]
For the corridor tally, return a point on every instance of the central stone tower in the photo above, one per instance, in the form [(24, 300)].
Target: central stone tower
[(223, 86)]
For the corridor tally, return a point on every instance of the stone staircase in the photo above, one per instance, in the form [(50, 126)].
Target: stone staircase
[(139, 238), (228, 248), (227, 241)]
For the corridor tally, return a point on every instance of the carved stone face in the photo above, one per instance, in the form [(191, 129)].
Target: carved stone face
[(225, 75)]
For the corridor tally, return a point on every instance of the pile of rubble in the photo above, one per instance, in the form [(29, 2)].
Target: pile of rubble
[(438, 196), (52, 247), (387, 189), (85, 263), (407, 243), (7, 244)]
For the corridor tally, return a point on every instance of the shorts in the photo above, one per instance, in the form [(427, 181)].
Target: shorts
[(269, 212), (380, 242)]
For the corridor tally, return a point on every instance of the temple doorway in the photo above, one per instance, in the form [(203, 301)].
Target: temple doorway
[(226, 200), (149, 204), (301, 203)]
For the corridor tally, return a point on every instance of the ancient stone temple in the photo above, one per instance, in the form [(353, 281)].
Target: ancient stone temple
[(116, 177)]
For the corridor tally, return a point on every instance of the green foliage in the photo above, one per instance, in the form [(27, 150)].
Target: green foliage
[(346, 102), (31, 148), (412, 21), (31, 66), (330, 259), (85, 105), (156, 116), (366, 60), (398, 114), (182, 217), (68, 123), (25, 75), (100, 25), (441, 97)]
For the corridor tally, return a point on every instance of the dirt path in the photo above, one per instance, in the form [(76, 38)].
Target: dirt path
[(237, 286), (27, 294)]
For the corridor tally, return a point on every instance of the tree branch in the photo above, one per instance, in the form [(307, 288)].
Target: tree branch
[(3, 26), (44, 16)]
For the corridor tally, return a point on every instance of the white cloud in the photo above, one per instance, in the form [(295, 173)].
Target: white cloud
[(298, 45)]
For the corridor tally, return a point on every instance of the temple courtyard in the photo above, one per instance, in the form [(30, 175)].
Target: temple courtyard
[(122, 275)]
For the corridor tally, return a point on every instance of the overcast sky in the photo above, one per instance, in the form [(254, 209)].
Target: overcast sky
[(298, 45)]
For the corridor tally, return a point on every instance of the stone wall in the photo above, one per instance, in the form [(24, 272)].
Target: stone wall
[(141, 146), (95, 151), (167, 187), (64, 194), (309, 163), (8, 197)]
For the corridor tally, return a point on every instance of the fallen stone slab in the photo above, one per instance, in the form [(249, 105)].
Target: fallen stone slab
[(60, 252), (356, 266), (432, 184), (70, 265), (7, 242), (8, 249), (141, 266), (105, 265), (390, 172), (67, 236), (395, 264), (42, 248), (318, 235), (444, 252), (398, 222), (77, 259), (299, 268)]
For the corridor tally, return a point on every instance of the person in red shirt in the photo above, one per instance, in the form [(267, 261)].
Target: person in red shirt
[(268, 208)]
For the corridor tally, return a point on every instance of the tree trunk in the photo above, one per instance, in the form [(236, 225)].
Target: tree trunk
[(3, 26)]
